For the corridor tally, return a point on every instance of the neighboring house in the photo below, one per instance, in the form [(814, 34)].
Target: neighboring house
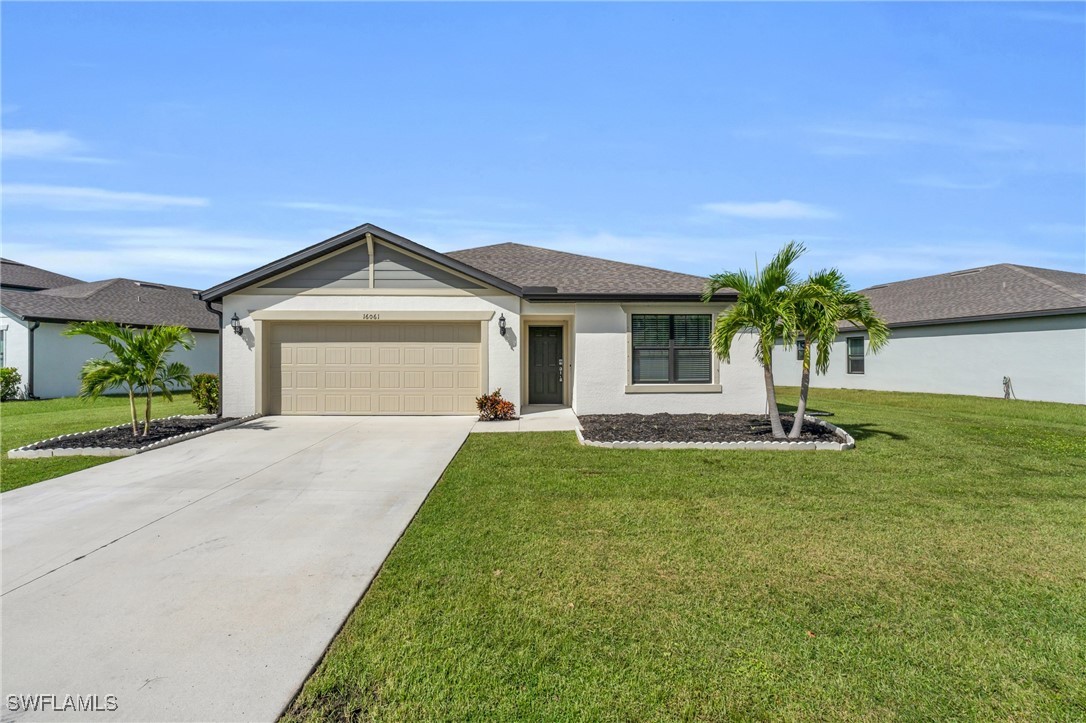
[(368, 322), (36, 305), (963, 332)]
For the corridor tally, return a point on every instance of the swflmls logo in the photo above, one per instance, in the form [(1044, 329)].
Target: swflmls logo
[(62, 703)]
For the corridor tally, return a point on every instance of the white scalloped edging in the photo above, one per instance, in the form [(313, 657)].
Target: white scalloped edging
[(847, 442), (25, 452)]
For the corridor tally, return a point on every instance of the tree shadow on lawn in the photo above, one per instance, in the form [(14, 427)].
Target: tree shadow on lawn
[(859, 431)]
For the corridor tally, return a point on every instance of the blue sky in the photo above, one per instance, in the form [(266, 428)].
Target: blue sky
[(188, 143)]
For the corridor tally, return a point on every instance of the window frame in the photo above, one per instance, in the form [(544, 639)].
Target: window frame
[(850, 357), (801, 344), (672, 383)]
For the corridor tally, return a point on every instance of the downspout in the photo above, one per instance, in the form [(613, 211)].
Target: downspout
[(30, 361), (218, 313)]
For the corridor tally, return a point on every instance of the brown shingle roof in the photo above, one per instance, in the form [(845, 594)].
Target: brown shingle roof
[(532, 266), (121, 300), (1002, 290), (30, 278)]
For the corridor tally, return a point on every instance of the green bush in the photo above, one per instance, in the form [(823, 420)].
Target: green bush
[(205, 392), (10, 381)]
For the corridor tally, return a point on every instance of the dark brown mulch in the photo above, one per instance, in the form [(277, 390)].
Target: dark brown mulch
[(692, 428), (121, 437)]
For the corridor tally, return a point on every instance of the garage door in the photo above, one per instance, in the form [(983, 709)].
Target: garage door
[(375, 368)]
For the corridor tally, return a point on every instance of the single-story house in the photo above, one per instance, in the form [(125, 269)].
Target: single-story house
[(963, 333), (369, 322), (36, 306)]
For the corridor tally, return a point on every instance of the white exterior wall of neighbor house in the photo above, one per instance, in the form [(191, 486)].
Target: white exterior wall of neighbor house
[(239, 352), (600, 362), (16, 337), (58, 359), (1044, 356)]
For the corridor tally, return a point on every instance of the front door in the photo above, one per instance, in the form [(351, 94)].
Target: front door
[(545, 365)]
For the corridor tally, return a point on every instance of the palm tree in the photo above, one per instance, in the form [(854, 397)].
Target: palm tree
[(766, 304), (102, 375), (829, 301), (156, 371), (139, 363)]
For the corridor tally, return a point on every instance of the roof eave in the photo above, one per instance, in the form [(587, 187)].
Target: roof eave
[(984, 317), (665, 297), (216, 293)]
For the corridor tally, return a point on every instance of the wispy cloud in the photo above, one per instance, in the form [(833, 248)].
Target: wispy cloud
[(783, 209), (950, 184), (181, 255), (78, 198), (338, 208), (44, 145)]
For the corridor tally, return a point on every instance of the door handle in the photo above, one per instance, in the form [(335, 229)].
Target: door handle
[(560, 367)]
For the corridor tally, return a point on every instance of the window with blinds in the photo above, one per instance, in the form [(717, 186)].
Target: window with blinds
[(855, 355), (672, 349)]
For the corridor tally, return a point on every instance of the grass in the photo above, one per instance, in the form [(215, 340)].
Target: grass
[(26, 422), (936, 572)]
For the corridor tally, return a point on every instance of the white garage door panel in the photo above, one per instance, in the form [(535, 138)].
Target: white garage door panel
[(375, 368)]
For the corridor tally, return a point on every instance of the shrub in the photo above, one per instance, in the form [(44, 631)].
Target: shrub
[(10, 379), (492, 407), (205, 392)]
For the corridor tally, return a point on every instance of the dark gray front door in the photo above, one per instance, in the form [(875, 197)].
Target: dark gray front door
[(545, 365)]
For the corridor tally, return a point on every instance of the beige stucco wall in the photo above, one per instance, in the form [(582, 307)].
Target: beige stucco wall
[(1045, 357)]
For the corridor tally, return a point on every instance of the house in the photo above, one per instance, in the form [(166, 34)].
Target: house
[(963, 332), (36, 305), (369, 322)]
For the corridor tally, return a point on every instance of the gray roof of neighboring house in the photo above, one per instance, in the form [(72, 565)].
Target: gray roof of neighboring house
[(574, 275), (30, 278), (533, 273), (988, 292), (138, 303)]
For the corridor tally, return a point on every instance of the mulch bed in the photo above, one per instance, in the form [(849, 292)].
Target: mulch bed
[(693, 428), (121, 437)]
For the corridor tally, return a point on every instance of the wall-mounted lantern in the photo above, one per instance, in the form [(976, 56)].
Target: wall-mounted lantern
[(501, 324), (235, 324)]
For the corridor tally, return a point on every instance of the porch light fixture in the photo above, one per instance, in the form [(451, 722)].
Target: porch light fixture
[(501, 324), (235, 324)]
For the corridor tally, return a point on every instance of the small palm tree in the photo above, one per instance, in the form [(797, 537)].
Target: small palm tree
[(828, 301), (99, 376), (139, 362), (156, 371), (766, 304)]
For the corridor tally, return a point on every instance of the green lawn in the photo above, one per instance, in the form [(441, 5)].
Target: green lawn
[(25, 422), (937, 572)]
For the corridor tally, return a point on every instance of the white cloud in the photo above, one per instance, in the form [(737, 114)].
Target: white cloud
[(77, 198), (338, 208), (176, 255), (769, 210), (44, 145)]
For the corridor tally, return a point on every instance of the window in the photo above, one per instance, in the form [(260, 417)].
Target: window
[(672, 349), (855, 355), (800, 346)]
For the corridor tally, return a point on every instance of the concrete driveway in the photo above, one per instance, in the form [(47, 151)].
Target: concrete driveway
[(204, 580)]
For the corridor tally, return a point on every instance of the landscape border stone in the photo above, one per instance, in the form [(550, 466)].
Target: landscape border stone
[(25, 452), (847, 442)]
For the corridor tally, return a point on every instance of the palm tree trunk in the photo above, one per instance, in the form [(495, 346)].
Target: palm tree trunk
[(771, 400), (147, 415), (132, 410), (804, 385)]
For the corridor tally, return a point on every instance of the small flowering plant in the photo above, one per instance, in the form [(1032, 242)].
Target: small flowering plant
[(493, 408)]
